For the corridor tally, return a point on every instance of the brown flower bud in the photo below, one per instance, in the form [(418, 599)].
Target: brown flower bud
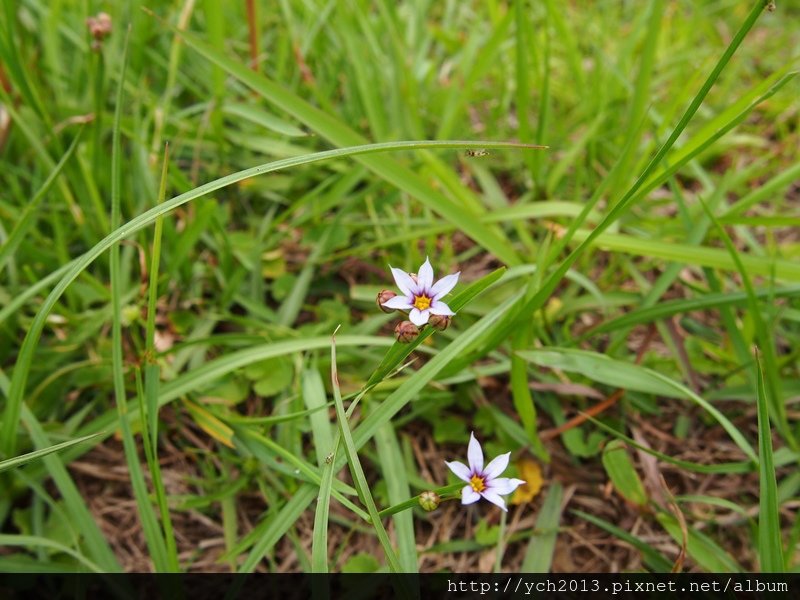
[(429, 500), (99, 26), (406, 332), (439, 322), (385, 296)]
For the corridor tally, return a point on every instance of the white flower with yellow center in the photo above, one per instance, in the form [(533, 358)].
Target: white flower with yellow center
[(421, 296), (483, 482)]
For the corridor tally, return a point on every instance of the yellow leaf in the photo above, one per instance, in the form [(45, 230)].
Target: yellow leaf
[(531, 473), (210, 424)]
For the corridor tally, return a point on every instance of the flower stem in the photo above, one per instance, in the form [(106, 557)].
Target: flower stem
[(414, 501)]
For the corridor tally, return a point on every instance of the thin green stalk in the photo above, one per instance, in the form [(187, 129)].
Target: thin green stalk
[(359, 479)]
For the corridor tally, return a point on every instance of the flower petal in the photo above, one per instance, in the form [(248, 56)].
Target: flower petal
[(440, 308), (504, 485), (403, 281), (425, 275), (399, 302), (445, 285), (460, 469), (468, 495), (419, 317), (494, 498), (475, 454), (497, 466)]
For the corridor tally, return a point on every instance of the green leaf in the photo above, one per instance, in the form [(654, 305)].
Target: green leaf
[(362, 562), (623, 475)]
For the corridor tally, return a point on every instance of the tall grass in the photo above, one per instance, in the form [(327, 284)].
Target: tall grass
[(284, 158)]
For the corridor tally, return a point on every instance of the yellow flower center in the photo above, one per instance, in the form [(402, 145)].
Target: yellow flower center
[(477, 483), (422, 302)]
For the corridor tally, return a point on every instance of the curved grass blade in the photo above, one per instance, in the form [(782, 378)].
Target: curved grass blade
[(764, 335), (654, 559), (668, 308), (13, 463), (636, 191), (25, 357), (617, 373), (700, 547), (96, 544), (28, 541), (271, 530), (359, 479), (340, 134)]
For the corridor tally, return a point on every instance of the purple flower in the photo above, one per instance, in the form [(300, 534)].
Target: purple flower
[(420, 295), (483, 482)]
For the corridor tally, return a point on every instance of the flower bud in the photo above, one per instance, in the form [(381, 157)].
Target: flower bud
[(429, 500), (99, 26), (440, 322), (385, 296), (406, 332)]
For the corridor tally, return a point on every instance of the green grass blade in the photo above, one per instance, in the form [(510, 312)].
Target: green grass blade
[(652, 558), (341, 135), (275, 526), (411, 387), (551, 282), (97, 546), (394, 473), (764, 335), (76, 267), (13, 463), (617, 373), (29, 541), (148, 402), (770, 549), (150, 525), (315, 400), (359, 479), (668, 308), (319, 540), (26, 219), (542, 545)]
